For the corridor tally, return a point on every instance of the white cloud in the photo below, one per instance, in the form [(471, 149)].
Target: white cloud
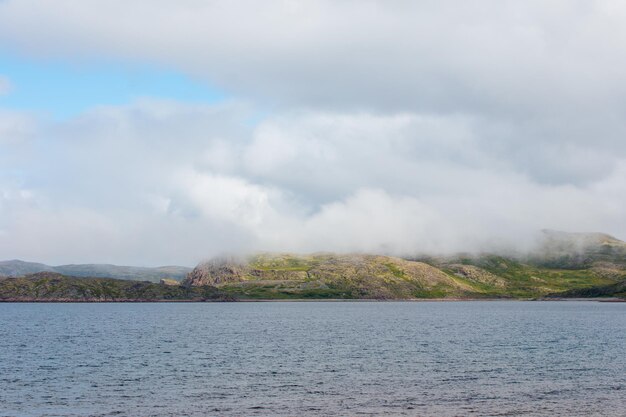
[(488, 56), (15, 127), (161, 182)]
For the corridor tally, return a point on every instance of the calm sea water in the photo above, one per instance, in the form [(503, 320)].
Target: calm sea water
[(313, 358)]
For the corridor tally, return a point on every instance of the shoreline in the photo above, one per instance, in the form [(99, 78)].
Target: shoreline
[(308, 300)]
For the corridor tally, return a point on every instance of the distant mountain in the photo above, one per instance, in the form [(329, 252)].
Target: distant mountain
[(578, 250), (334, 276), (562, 265), (16, 268)]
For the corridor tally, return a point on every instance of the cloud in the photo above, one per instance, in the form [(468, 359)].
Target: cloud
[(393, 127), (543, 79), (488, 56), (159, 182), (16, 127)]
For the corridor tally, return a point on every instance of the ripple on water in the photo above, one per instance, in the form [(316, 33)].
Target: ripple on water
[(439, 359)]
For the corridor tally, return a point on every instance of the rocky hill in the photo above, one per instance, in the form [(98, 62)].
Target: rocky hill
[(16, 268), (357, 276), (562, 265), (50, 286), (326, 276)]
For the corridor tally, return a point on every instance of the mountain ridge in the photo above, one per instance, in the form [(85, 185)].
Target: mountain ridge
[(564, 264), (16, 268), (560, 262)]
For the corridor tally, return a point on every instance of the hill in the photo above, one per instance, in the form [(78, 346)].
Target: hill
[(562, 265), (360, 276), (326, 276), (16, 268), (617, 290), (499, 276), (578, 251), (51, 286)]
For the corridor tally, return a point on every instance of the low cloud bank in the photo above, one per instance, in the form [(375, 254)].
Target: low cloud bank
[(161, 182)]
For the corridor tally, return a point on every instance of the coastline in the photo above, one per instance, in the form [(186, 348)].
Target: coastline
[(308, 300)]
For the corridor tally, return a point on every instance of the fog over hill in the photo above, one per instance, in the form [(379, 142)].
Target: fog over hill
[(549, 248), (560, 262), (560, 265)]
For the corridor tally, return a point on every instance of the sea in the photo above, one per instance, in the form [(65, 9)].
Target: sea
[(482, 358)]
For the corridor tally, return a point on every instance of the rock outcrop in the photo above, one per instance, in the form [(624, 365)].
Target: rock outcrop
[(217, 271)]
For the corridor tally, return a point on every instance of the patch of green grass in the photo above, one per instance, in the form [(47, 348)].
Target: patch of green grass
[(431, 293), (397, 272)]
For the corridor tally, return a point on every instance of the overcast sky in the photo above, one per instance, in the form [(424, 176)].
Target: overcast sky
[(164, 132)]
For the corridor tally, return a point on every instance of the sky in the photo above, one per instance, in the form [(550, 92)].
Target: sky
[(166, 132)]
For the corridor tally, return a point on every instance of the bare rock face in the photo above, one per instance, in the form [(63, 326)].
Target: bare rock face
[(217, 271), (277, 275), (476, 274)]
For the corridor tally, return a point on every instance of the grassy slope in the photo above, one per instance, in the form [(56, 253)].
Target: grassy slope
[(527, 281), (367, 276), (348, 277), (612, 290)]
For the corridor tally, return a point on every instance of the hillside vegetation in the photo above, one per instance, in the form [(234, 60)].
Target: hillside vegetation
[(327, 276), (561, 264), (564, 265)]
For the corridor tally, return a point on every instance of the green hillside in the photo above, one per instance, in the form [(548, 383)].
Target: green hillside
[(499, 276), (562, 265), (358, 276)]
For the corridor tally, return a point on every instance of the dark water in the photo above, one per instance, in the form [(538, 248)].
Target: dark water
[(434, 358)]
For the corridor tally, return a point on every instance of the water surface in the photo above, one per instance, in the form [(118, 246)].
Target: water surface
[(313, 358)]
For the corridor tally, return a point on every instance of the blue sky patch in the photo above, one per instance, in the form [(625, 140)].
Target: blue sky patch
[(64, 90)]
